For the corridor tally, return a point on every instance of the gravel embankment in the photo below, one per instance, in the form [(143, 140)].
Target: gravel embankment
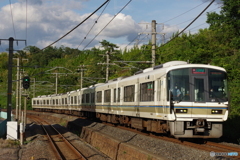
[(38, 146)]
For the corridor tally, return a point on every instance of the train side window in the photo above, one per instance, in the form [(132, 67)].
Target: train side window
[(114, 95), (147, 91), (83, 99), (118, 97), (107, 94), (87, 98), (92, 97), (75, 99), (129, 93), (99, 96), (71, 100)]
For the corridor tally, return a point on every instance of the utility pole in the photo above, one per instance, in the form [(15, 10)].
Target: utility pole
[(10, 64), (81, 74), (17, 91), (107, 63), (153, 33), (56, 83), (9, 98), (153, 42), (18, 87)]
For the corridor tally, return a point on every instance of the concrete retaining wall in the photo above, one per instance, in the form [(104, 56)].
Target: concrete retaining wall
[(115, 149)]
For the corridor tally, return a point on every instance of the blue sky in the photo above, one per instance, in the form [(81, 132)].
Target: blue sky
[(44, 21)]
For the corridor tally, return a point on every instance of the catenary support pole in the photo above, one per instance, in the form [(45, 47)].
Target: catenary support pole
[(9, 93)]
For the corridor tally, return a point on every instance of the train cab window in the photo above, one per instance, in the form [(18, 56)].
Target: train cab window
[(129, 93), (147, 91), (99, 96), (178, 85), (56, 101), (217, 86), (62, 100), (53, 101), (107, 96), (37, 101)]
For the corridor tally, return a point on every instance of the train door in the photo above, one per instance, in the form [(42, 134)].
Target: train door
[(199, 92), (161, 98)]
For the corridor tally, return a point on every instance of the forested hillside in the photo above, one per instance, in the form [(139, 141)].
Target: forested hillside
[(218, 45)]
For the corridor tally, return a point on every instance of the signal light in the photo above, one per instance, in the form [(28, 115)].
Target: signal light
[(26, 82)]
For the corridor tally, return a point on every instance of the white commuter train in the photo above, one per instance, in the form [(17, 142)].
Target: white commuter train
[(185, 100)]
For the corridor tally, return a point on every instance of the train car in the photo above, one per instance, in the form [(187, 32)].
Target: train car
[(185, 100)]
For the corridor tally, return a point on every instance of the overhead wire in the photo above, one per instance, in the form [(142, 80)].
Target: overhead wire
[(93, 25), (77, 25), (107, 24), (26, 21), (171, 19), (189, 23), (12, 18), (184, 12)]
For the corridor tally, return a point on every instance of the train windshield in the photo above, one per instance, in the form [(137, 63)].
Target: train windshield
[(197, 85), (178, 85), (217, 86)]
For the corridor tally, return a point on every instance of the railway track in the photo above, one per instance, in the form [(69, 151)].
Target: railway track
[(219, 149), (62, 148)]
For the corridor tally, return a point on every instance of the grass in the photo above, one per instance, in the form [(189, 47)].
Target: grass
[(9, 143)]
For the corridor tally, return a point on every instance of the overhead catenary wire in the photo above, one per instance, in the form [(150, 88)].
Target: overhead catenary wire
[(26, 21), (93, 25), (189, 24), (77, 25), (172, 19), (10, 5), (184, 12), (107, 24)]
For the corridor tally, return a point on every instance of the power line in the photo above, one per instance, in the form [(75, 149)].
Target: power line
[(12, 19), (77, 25), (184, 12), (189, 23), (107, 24), (26, 19), (175, 18), (193, 18), (93, 25)]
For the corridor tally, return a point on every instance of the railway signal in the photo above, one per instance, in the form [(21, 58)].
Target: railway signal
[(26, 82)]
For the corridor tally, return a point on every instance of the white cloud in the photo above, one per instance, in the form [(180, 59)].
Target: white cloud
[(48, 20)]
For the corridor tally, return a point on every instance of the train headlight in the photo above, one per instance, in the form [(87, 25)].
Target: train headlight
[(216, 111), (181, 110)]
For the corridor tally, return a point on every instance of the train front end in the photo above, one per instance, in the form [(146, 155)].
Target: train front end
[(198, 101)]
